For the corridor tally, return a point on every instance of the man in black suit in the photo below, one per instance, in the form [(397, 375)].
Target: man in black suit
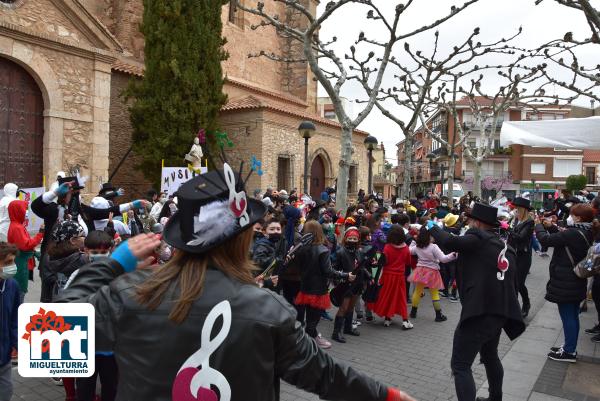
[(486, 271)]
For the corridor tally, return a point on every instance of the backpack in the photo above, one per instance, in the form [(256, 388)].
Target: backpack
[(590, 265)]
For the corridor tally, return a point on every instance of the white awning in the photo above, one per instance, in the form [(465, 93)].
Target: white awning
[(577, 133)]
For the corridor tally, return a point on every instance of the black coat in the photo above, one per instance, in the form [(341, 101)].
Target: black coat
[(564, 286), (519, 239), (481, 292), (261, 339), (315, 270)]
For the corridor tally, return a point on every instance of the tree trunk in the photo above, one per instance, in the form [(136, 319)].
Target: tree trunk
[(477, 178), (407, 168), (341, 195), (451, 168)]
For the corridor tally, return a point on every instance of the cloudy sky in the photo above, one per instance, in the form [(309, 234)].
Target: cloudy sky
[(496, 19)]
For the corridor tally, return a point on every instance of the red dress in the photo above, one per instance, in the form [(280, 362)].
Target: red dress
[(392, 296)]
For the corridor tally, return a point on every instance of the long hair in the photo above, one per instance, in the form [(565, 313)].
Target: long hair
[(523, 214), (374, 223), (316, 229), (187, 271), (424, 238)]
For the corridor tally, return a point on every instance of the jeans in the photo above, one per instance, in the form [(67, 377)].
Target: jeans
[(106, 368), (477, 335), (569, 314), (6, 386)]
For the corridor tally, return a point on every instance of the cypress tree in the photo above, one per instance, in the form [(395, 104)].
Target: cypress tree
[(182, 88)]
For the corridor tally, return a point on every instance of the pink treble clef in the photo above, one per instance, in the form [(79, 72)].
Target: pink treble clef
[(195, 378)]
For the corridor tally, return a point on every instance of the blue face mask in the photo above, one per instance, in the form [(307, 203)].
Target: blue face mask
[(98, 256)]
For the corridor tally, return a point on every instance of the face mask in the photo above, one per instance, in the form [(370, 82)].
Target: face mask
[(162, 200), (570, 221), (8, 271), (274, 237), (98, 256), (173, 208), (351, 245)]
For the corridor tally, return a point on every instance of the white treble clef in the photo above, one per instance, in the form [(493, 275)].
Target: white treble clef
[(237, 200), (205, 377)]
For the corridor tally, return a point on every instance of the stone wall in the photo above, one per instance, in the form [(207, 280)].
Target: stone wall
[(41, 16), (128, 176)]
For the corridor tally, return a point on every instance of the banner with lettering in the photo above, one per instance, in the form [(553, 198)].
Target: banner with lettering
[(173, 177)]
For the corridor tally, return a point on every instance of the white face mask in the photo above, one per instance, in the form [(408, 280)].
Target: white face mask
[(8, 271), (98, 256), (163, 200), (570, 221)]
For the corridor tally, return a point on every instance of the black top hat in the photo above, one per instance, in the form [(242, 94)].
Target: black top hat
[(106, 187), (484, 213), (76, 185), (212, 208), (522, 202)]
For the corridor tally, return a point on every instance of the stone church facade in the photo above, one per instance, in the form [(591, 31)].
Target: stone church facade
[(64, 64)]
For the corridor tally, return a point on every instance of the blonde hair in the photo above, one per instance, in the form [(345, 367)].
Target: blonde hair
[(523, 214), (315, 228), (188, 272)]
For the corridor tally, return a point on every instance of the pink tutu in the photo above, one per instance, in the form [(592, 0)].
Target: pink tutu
[(431, 278)]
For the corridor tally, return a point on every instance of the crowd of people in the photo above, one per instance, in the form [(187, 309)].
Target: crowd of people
[(272, 266)]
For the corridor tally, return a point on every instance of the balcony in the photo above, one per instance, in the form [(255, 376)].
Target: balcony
[(468, 125), (502, 151)]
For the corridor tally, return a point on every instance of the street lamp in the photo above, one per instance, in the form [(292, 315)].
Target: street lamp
[(307, 130), (370, 144)]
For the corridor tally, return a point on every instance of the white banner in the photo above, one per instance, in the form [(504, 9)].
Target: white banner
[(33, 222), (173, 177), (572, 133)]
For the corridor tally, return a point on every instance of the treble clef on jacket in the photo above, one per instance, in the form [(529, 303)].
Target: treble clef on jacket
[(195, 377)]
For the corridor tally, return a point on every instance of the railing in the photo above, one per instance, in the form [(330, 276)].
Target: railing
[(502, 151), (475, 127)]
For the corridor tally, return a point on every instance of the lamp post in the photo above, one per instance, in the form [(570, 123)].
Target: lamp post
[(370, 144), (307, 130)]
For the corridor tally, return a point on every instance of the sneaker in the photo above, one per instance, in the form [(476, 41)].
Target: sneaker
[(407, 325), (57, 381), (322, 343), (596, 339), (563, 356), (556, 349), (444, 294), (594, 330), (387, 323), (454, 299), (356, 323)]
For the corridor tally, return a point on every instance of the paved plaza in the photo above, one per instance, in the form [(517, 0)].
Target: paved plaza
[(417, 361)]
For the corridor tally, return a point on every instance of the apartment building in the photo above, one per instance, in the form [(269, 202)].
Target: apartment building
[(511, 170)]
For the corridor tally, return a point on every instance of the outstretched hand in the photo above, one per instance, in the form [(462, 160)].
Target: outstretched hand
[(142, 247)]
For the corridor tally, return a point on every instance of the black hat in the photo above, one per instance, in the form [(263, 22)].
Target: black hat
[(485, 213), (212, 208), (106, 187), (522, 202), (76, 184)]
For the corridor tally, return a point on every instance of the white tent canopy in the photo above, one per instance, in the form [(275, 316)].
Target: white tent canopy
[(577, 133)]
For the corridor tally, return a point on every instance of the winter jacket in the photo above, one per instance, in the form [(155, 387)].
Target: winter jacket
[(18, 235), (353, 261), (9, 306), (256, 338), (59, 270), (520, 237), (315, 270), (10, 194), (266, 251), (482, 291), (564, 286)]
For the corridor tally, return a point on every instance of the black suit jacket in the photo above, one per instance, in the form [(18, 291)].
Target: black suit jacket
[(481, 291)]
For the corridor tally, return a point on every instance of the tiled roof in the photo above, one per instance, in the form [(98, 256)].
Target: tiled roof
[(252, 103), (129, 67)]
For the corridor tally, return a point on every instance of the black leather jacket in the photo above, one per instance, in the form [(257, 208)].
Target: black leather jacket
[(315, 270), (255, 339), (520, 237)]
